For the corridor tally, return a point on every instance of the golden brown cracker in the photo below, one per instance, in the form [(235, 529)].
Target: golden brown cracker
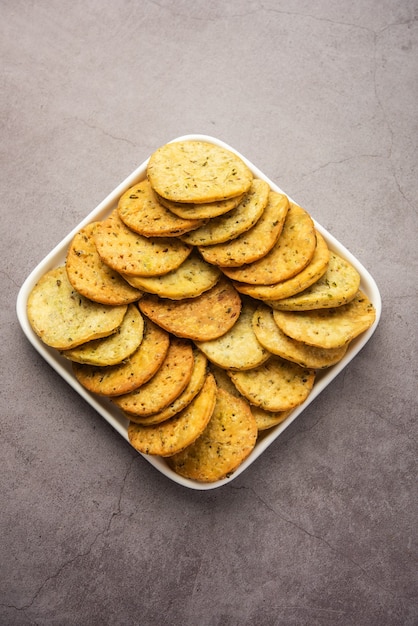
[(91, 277), (194, 385), (128, 252), (168, 382), (234, 222), (254, 243), (273, 339), (175, 434), (63, 318), (116, 347), (130, 374), (328, 328), (277, 385), (190, 279), (197, 171), (337, 286), (239, 347), (206, 317), (309, 275), (204, 211), (141, 211), (290, 254), (226, 442)]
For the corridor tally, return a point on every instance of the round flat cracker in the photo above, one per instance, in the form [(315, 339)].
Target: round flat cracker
[(180, 431), (115, 380), (291, 253), (204, 211), (235, 222), (140, 210), (328, 328), (63, 318), (266, 419), (116, 347), (195, 384), (309, 275), (168, 382), (190, 279), (239, 347), (273, 339), (226, 442), (277, 385), (128, 252), (206, 317), (197, 171), (254, 243), (91, 277), (337, 286)]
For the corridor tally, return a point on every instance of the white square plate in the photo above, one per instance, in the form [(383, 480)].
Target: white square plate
[(108, 410)]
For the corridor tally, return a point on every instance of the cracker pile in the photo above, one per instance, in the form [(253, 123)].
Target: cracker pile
[(202, 307)]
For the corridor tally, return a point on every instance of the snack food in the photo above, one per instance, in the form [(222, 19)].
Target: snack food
[(91, 277), (328, 328), (63, 318), (116, 380), (255, 243), (277, 342), (140, 210), (168, 382), (239, 347), (197, 172), (227, 440), (116, 347), (189, 280), (234, 222), (128, 252), (130, 374), (287, 288), (206, 317), (175, 434), (276, 385)]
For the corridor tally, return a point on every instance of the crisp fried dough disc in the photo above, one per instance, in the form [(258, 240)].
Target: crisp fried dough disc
[(197, 171), (254, 243), (328, 328), (190, 279), (277, 385), (309, 275), (273, 339), (168, 382), (206, 317), (226, 442), (291, 253), (223, 381), (180, 431), (140, 210), (128, 252), (267, 419), (337, 286), (204, 211), (115, 380), (116, 347), (264, 419), (235, 222), (63, 318), (195, 384), (239, 347), (91, 277)]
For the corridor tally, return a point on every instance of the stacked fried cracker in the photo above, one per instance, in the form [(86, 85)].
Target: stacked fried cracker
[(202, 307)]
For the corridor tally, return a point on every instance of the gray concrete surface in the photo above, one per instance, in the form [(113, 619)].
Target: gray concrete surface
[(321, 530)]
